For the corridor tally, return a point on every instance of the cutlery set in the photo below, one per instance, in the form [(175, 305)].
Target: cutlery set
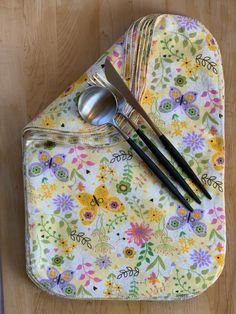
[(109, 200), (99, 105), (122, 95)]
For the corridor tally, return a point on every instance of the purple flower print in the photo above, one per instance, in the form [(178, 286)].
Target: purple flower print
[(194, 141), (103, 261), (201, 258), (187, 22), (64, 202)]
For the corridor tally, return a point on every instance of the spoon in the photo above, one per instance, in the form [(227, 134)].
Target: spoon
[(99, 106), (99, 80)]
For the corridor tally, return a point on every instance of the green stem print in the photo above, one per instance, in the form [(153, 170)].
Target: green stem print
[(171, 51), (46, 229), (115, 221), (101, 239), (136, 206), (160, 74), (164, 199), (195, 160), (200, 277), (181, 285), (187, 41), (133, 289), (46, 226), (58, 109), (128, 174)]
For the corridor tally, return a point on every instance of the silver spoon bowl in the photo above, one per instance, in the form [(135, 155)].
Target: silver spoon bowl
[(99, 106)]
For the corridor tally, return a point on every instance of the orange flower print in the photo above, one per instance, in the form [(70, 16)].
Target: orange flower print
[(153, 279), (211, 42), (219, 247)]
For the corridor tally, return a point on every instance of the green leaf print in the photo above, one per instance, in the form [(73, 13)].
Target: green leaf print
[(214, 233), (161, 262), (82, 291), (143, 255), (191, 35), (152, 264)]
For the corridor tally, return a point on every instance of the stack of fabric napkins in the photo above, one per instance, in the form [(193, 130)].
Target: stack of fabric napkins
[(96, 218)]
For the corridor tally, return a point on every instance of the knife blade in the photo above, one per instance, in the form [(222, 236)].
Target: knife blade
[(115, 79)]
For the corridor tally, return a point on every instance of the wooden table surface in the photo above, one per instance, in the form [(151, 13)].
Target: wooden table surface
[(44, 46)]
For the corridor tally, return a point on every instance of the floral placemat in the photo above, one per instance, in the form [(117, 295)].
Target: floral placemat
[(98, 224)]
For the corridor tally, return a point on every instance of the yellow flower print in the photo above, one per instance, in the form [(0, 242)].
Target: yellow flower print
[(185, 248), (67, 250), (111, 171), (220, 259), (102, 167), (191, 241), (62, 243), (48, 122), (109, 284), (177, 132), (182, 241), (196, 67), (46, 190), (178, 127), (148, 97), (175, 124), (184, 245), (108, 293), (154, 215), (186, 63), (211, 42), (74, 246), (118, 287), (129, 252), (190, 72), (102, 177)]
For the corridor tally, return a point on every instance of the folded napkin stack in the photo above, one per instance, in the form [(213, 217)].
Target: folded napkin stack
[(99, 225)]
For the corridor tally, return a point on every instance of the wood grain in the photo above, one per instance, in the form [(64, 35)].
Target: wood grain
[(44, 46)]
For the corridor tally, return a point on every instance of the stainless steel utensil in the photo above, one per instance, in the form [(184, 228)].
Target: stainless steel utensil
[(115, 79), (99, 80), (98, 106)]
